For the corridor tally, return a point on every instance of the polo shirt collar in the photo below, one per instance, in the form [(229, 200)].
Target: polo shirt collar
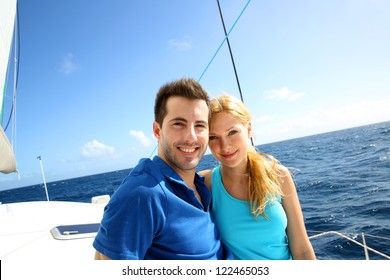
[(182, 190)]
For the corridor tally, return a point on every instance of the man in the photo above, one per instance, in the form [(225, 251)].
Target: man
[(161, 210)]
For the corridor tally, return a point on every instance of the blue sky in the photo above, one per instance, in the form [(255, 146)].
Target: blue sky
[(89, 71)]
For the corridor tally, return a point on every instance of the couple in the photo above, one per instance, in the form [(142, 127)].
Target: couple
[(162, 209)]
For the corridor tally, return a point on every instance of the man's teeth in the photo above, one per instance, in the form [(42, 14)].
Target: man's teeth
[(188, 150)]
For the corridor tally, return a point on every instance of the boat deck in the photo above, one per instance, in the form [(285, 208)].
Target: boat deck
[(25, 230)]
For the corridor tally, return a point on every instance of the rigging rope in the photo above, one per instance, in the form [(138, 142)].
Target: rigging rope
[(230, 50), (217, 51), (223, 41), (231, 53)]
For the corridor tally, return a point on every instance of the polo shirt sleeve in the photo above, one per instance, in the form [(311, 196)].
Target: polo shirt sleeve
[(132, 218)]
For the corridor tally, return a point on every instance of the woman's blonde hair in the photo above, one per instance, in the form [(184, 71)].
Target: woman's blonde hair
[(263, 184)]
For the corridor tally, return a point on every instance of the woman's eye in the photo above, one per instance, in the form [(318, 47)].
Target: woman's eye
[(212, 137), (232, 132)]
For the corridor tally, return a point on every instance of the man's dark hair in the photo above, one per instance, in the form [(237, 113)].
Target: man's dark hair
[(185, 87)]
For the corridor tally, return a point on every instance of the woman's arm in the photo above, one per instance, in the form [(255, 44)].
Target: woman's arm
[(299, 243)]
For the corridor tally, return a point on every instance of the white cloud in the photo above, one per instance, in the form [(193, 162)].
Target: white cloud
[(283, 94), (68, 65), (319, 120), (262, 119), (142, 138), (184, 44), (95, 149)]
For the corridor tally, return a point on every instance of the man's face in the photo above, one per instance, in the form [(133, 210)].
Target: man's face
[(184, 134)]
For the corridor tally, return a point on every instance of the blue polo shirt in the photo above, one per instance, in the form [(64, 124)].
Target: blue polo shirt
[(154, 215)]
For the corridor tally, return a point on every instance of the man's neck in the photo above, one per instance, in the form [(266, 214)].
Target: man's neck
[(188, 177)]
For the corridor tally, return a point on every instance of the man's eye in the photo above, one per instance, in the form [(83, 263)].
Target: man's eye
[(201, 126)]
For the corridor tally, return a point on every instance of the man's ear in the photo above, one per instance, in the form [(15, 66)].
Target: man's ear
[(156, 130)]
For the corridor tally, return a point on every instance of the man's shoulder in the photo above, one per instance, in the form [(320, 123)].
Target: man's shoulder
[(146, 177), (142, 165), (144, 181), (145, 169)]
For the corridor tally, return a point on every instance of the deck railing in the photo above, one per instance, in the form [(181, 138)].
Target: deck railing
[(365, 247)]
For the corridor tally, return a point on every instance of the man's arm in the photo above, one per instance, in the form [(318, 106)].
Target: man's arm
[(100, 256)]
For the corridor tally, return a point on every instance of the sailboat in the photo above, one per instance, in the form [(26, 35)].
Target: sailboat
[(7, 19), (48, 229)]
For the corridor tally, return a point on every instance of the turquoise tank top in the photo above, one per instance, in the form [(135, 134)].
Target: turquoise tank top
[(246, 237)]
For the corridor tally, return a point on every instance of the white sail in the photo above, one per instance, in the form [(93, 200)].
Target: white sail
[(7, 23), (7, 156)]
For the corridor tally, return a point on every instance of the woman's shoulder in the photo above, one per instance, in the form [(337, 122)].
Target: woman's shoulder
[(285, 179), (207, 177), (282, 170)]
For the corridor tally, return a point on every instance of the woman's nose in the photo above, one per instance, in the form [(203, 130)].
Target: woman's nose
[(225, 147)]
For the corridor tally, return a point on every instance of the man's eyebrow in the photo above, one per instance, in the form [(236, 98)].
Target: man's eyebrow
[(178, 119)]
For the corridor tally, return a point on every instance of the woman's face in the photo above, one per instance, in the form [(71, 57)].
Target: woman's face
[(228, 139)]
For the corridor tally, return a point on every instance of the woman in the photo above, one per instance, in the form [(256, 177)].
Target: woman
[(255, 203)]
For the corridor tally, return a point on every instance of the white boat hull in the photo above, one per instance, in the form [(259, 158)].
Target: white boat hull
[(25, 230)]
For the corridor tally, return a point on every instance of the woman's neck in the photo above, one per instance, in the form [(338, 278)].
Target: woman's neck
[(236, 175)]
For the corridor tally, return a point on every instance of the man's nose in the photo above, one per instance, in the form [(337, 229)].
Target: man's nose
[(191, 133)]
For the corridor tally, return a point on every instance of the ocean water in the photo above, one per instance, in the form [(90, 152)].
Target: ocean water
[(342, 179)]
